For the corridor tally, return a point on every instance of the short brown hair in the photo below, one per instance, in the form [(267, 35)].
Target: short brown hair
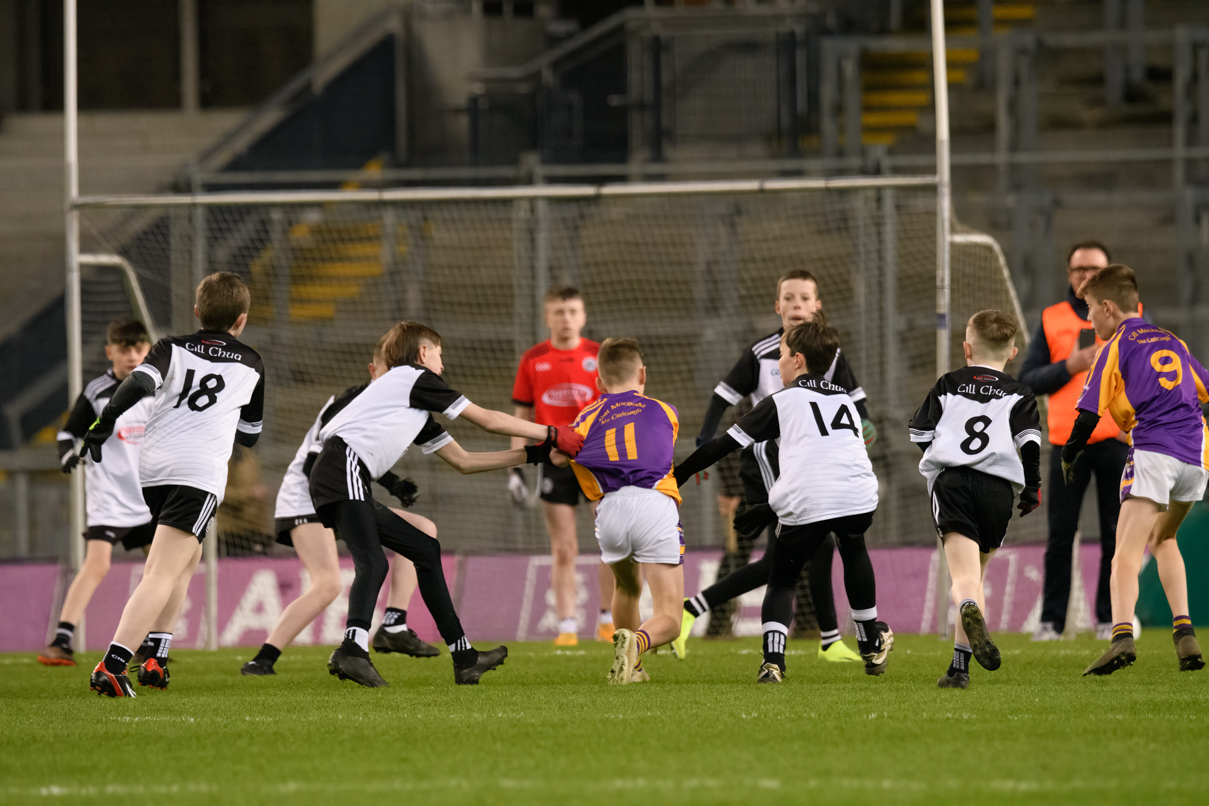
[(796, 274), (1117, 283), (618, 361), (563, 293), (221, 298), (995, 331), (126, 333), (817, 342), (401, 344), (1088, 245)]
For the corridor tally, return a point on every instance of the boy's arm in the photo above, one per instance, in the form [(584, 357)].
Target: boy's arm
[(562, 437), (1025, 424), (845, 377), (923, 425), (467, 462), (741, 381), (758, 425), (137, 386), (251, 416), (1097, 389), (82, 416)]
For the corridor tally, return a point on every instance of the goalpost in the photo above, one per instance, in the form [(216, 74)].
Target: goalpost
[(687, 267)]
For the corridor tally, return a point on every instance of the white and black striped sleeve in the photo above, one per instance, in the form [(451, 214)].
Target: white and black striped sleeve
[(923, 424), (251, 414), (432, 437), (757, 425), (157, 362), (742, 380), (845, 377), (429, 392), (1024, 420)]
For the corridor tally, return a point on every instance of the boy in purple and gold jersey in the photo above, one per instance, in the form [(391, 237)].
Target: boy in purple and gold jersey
[(1149, 382), (626, 464)]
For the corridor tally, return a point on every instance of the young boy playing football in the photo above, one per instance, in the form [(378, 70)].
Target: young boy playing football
[(1152, 386), (626, 465), (826, 486), (970, 427)]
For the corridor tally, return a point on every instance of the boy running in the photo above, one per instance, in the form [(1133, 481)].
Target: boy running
[(756, 376), (364, 440), (208, 392), (626, 465), (1152, 386), (826, 486), (554, 381), (970, 427), (299, 527), (116, 510)]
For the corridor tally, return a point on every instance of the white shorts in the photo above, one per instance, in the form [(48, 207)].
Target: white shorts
[(639, 524), (1161, 478)]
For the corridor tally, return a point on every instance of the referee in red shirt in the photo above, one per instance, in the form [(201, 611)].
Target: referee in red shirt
[(555, 381)]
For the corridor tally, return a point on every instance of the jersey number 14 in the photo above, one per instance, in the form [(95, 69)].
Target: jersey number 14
[(842, 421)]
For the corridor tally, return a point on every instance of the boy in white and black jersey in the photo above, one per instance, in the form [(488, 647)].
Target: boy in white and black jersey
[(299, 527), (115, 509), (756, 376), (826, 486), (208, 393), (366, 439), (971, 426)]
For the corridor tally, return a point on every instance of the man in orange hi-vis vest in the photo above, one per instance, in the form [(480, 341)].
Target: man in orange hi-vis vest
[(1059, 356)]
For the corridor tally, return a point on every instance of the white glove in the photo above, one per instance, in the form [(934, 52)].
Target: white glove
[(517, 488)]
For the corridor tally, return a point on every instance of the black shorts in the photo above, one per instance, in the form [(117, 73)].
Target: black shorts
[(559, 485), (186, 508), (132, 537), (338, 475), (282, 527), (974, 504)]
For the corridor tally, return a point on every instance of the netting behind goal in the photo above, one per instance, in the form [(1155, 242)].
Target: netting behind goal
[(692, 277)]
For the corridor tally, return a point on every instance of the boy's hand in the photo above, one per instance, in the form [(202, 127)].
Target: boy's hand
[(1030, 499), (868, 431), (565, 439), (536, 455), (559, 459), (406, 491), (754, 519), (1068, 467), (517, 487), (98, 432), (69, 461)]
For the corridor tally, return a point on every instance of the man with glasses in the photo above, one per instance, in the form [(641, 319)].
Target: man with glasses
[(1062, 351)]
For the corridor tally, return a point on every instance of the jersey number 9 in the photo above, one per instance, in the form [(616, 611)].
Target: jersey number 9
[(1166, 362)]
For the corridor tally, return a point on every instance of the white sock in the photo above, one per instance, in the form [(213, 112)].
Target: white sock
[(567, 625), (359, 636), (395, 628), (461, 645), (606, 617), (698, 604), (829, 637)]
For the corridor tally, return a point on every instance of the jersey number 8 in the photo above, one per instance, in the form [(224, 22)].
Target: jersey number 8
[(206, 394), (977, 439)]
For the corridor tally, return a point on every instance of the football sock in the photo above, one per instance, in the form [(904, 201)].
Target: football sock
[(1182, 625), (606, 617), (644, 641), (63, 635), (268, 654), (1122, 631), (160, 643), (961, 658), (395, 620), (147, 649), (460, 645), (829, 637), (964, 602), (117, 658), (638, 665), (774, 643), (868, 637), (697, 605), (567, 625), (356, 641), (465, 657)]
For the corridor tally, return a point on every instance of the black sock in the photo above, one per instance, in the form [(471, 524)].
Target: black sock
[(147, 649), (159, 643), (774, 646), (394, 616), (465, 657), (117, 658), (63, 635), (267, 654), (868, 637), (961, 658)]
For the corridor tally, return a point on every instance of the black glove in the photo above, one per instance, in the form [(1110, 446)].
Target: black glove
[(754, 519), (406, 491), (308, 464), (1030, 499), (69, 461), (98, 432), (540, 453)]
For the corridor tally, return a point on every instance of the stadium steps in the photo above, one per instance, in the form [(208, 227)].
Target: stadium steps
[(898, 86)]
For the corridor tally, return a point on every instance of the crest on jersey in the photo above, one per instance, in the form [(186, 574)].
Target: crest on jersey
[(209, 341), (589, 363), (985, 378), (132, 434), (542, 366)]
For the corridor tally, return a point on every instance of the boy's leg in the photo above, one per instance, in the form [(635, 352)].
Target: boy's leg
[(564, 548), (786, 557), (1137, 522), (394, 635), (173, 551), (666, 582), (97, 554), (627, 589), (316, 547), (822, 596), (874, 638), (1174, 577), (967, 567)]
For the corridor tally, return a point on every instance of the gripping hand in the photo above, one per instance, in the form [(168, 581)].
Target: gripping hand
[(517, 487), (98, 432), (406, 491), (868, 431), (565, 439), (1030, 499)]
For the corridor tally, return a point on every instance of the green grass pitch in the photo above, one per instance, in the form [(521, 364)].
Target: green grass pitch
[(547, 729)]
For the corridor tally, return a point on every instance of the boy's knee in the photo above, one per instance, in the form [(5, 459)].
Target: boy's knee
[(97, 564), (326, 587)]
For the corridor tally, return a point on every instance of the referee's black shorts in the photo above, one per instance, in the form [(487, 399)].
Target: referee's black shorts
[(559, 485), (974, 504)]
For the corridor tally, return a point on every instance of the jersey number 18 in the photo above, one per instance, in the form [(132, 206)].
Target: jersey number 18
[(206, 394)]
